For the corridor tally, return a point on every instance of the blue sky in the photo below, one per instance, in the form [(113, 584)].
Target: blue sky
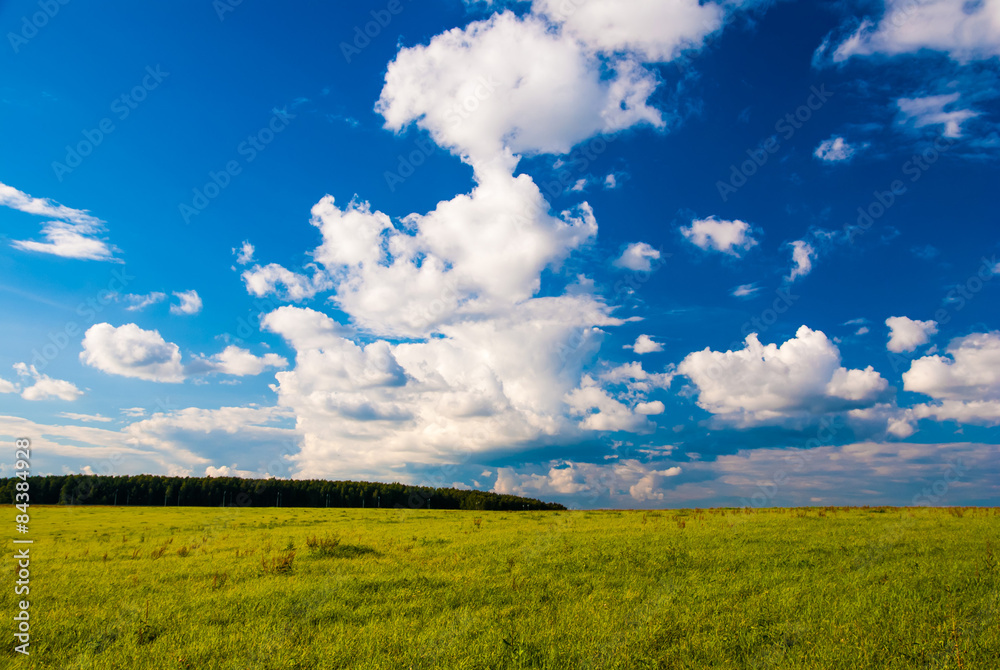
[(626, 254)]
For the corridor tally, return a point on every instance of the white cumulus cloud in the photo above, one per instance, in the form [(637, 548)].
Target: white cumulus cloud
[(273, 279), (43, 387), (130, 351), (190, 303), (236, 362), (602, 412), (652, 30), (712, 234), (803, 254), (644, 344), (448, 344), (512, 84), (762, 383), (965, 31), (244, 254), (965, 381), (834, 149), (638, 256), (906, 334)]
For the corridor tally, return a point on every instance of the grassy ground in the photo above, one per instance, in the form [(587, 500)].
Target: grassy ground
[(135, 588)]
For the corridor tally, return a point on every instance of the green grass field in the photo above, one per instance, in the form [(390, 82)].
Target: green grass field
[(133, 588)]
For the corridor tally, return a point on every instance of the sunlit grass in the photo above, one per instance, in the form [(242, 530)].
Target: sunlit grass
[(234, 588)]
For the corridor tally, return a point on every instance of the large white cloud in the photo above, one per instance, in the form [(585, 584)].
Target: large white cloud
[(473, 256), (906, 334), (450, 345), (485, 384), (759, 383), (965, 31), (970, 371), (976, 412), (653, 30), (513, 84), (130, 351), (965, 381)]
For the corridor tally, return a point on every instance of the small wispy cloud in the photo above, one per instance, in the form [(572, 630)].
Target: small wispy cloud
[(835, 150), (70, 234), (745, 290), (638, 256), (244, 254), (87, 418), (190, 303), (803, 254), (138, 302)]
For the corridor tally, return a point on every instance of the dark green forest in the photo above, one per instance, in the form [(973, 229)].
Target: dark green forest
[(236, 492)]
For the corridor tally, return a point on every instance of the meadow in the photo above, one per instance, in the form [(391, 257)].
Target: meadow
[(247, 588)]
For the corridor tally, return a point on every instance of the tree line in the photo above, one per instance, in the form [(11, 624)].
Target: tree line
[(146, 490)]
